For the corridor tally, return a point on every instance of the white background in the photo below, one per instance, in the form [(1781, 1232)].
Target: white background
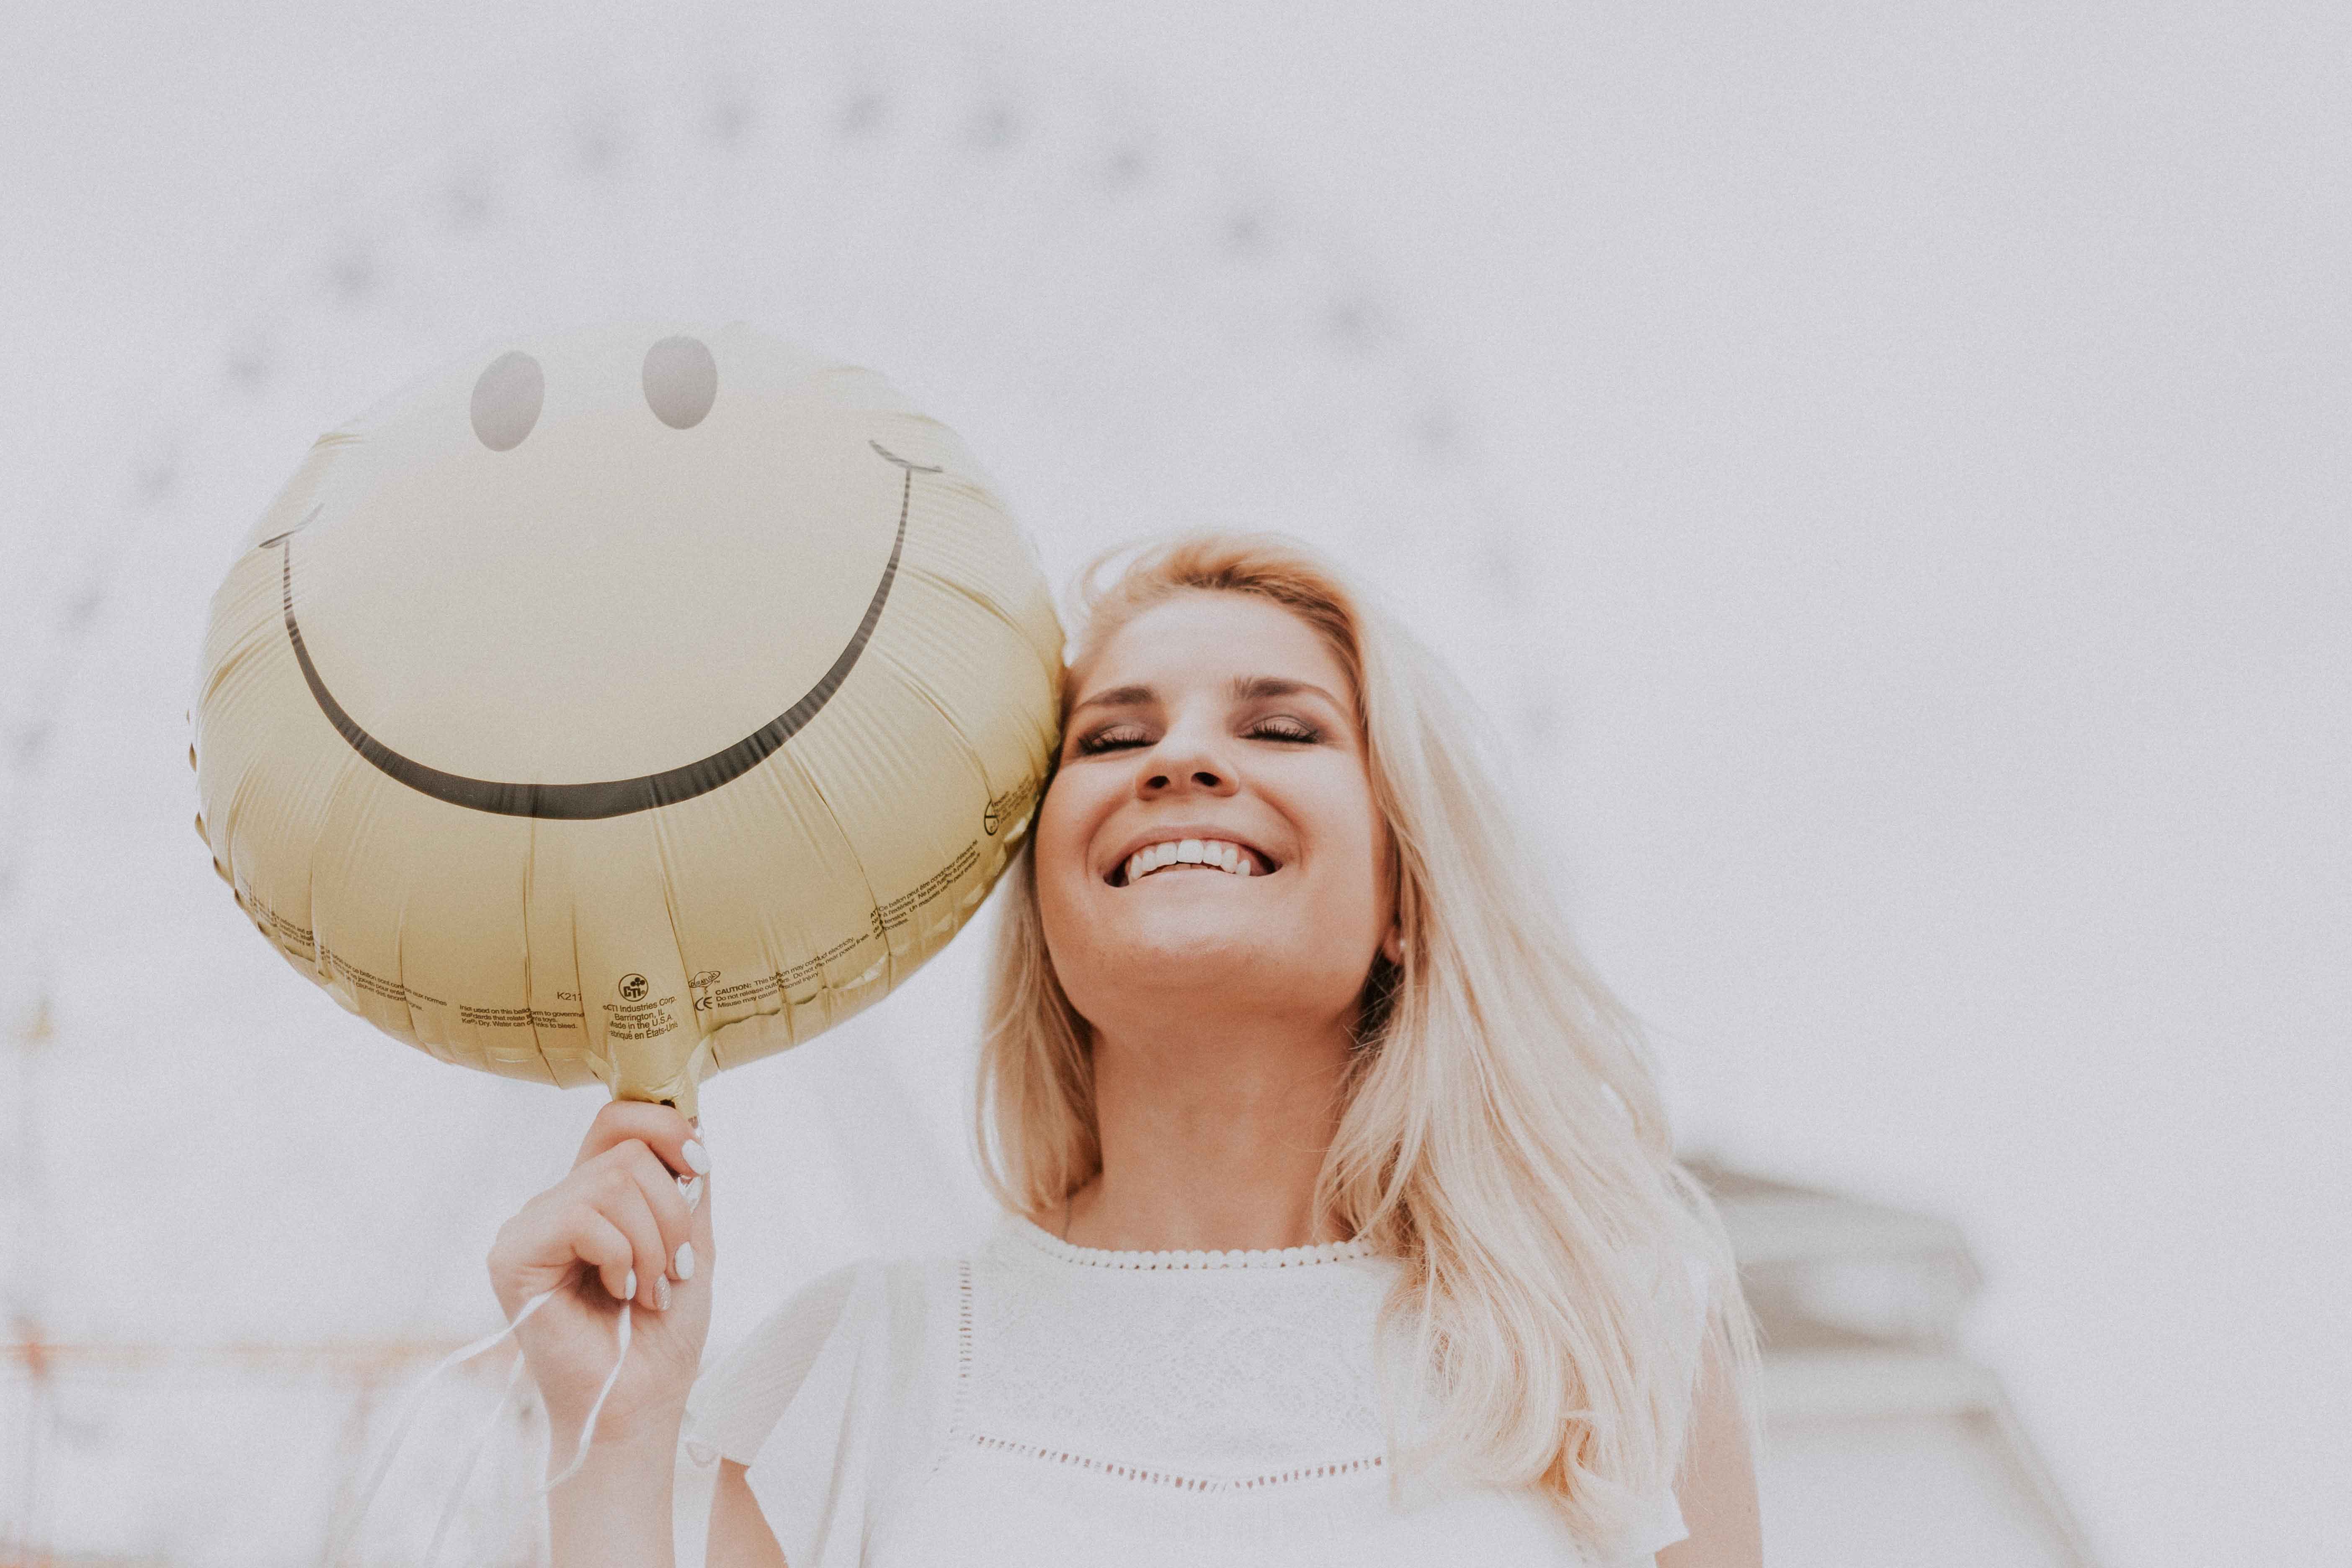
[(1926, 432)]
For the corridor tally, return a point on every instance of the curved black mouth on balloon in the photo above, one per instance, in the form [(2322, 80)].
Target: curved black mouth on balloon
[(610, 797)]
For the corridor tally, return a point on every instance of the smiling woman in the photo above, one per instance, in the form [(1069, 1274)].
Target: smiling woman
[(1341, 1220)]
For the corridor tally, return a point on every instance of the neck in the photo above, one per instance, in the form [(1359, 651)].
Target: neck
[(1211, 1137)]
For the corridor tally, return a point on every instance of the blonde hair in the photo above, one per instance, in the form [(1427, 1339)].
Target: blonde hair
[(1502, 1134)]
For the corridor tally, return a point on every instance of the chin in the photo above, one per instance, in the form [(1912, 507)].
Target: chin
[(1189, 949), (1168, 969)]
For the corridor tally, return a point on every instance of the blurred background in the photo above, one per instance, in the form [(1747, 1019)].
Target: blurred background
[(1893, 473)]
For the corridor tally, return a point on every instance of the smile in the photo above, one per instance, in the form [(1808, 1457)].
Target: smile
[(1216, 855), (608, 797)]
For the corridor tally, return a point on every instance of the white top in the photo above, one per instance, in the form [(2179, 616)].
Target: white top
[(1039, 1404)]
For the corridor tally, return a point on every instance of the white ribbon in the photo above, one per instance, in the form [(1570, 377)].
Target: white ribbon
[(343, 1536)]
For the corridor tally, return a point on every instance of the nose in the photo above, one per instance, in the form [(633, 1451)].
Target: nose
[(1184, 761)]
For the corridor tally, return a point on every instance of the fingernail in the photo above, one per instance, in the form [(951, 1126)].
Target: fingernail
[(686, 1260), (661, 1294), (697, 1158), (629, 1290), (691, 1187)]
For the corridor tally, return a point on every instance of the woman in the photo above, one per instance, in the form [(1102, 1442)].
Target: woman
[(1342, 1224)]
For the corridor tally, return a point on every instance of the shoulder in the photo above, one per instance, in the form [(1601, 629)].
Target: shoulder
[(885, 1315), (1682, 1286)]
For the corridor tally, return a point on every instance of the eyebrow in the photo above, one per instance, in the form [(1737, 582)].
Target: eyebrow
[(1120, 697), (1242, 687), (1245, 687)]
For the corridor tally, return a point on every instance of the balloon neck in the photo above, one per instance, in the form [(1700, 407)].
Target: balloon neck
[(681, 1096), (678, 1088)]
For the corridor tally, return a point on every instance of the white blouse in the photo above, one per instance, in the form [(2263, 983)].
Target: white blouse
[(1039, 1404)]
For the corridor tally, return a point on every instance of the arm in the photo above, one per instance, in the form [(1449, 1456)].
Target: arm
[(616, 1230), (740, 1536), (616, 1509), (1717, 1488)]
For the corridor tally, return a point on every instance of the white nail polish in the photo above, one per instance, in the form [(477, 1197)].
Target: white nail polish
[(661, 1293), (691, 1187), (629, 1290), (697, 1158), (686, 1260)]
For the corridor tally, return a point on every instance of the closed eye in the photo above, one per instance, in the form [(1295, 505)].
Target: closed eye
[(1124, 736), (1285, 728), (1112, 738)]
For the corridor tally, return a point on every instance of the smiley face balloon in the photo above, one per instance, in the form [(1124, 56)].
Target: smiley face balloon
[(622, 706)]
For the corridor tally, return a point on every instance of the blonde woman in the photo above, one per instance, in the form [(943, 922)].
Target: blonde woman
[(1341, 1221)]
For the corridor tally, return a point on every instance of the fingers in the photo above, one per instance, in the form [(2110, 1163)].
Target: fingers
[(643, 1190), (660, 1128), (636, 1203), (615, 1195), (604, 1246)]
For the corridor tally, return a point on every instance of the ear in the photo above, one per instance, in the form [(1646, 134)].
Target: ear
[(1392, 944)]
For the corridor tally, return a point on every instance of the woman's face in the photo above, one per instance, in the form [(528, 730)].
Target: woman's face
[(1219, 721)]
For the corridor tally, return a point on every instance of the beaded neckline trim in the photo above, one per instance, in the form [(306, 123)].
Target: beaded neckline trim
[(1054, 1247), (1210, 1485)]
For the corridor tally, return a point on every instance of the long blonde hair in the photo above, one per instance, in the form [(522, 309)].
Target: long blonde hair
[(1502, 1134)]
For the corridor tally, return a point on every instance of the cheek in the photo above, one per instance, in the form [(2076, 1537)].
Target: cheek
[(1063, 820), (1360, 856)]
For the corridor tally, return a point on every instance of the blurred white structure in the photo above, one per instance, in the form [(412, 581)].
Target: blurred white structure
[(1885, 1442)]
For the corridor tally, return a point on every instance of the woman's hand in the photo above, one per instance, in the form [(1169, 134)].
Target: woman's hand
[(636, 1203)]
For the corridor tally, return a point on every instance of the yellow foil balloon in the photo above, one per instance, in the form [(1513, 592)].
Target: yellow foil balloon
[(622, 706)]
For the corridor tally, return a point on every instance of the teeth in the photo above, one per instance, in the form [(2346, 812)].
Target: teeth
[(1228, 857)]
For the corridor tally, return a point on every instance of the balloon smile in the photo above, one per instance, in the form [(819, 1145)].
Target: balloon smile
[(610, 797)]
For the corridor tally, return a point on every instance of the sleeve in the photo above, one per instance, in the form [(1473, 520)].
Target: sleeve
[(1658, 1527), (1660, 1524), (830, 1404), (738, 1401)]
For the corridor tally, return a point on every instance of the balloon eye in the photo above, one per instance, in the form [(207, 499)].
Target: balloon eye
[(681, 382), (507, 400)]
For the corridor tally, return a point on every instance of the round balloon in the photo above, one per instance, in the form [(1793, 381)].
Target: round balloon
[(625, 705)]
